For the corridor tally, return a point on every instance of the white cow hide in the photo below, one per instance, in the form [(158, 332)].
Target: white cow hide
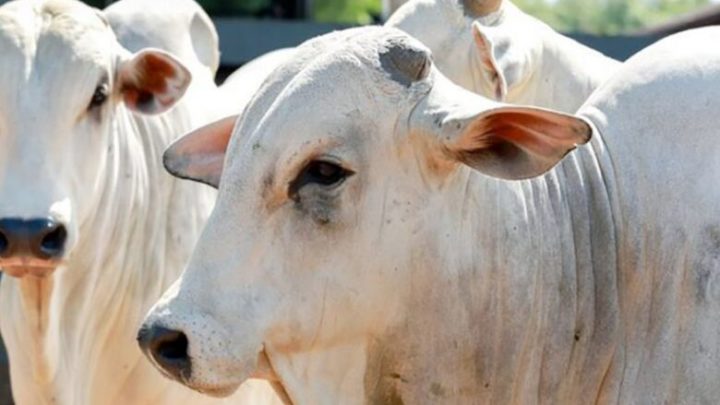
[(374, 238)]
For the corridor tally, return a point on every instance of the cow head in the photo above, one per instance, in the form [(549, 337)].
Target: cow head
[(487, 46), (65, 87), (325, 205)]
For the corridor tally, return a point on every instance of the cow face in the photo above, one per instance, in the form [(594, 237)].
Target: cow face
[(65, 87), (325, 205), (487, 46)]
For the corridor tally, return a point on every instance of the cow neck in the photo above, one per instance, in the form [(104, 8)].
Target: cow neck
[(121, 264), (35, 303), (514, 295), (339, 370), (579, 70)]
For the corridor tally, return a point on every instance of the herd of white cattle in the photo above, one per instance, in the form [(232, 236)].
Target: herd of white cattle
[(402, 215)]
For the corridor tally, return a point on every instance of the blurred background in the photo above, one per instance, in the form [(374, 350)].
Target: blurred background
[(249, 28), (603, 17), (618, 28)]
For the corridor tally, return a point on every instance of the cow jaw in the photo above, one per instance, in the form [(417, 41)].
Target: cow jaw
[(333, 375)]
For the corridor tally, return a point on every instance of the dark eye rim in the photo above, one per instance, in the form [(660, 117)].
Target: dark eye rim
[(321, 172), (100, 96)]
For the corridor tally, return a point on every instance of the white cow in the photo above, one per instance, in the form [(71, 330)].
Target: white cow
[(390, 6), (182, 28), (180, 25), (368, 246), (91, 228), (494, 49), (239, 88)]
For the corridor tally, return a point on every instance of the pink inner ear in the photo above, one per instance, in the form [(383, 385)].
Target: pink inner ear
[(147, 80), (536, 134), (209, 140), (200, 155), (485, 49)]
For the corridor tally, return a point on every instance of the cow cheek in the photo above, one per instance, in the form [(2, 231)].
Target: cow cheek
[(88, 169)]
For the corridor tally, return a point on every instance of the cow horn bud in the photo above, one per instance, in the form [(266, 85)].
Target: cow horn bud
[(480, 8), (406, 60)]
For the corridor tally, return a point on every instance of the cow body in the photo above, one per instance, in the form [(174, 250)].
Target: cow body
[(70, 332), (380, 254), (503, 53), (239, 88), (390, 6)]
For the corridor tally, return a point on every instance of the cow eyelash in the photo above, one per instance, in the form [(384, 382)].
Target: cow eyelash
[(322, 173), (100, 96)]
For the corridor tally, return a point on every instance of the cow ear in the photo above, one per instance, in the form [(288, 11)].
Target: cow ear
[(491, 66), (152, 81), (516, 143), (200, 155)]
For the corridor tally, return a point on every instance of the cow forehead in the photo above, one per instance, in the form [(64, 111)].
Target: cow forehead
[(49, 49), (342, 86), (68, 26), (313, 115), (337, 55)]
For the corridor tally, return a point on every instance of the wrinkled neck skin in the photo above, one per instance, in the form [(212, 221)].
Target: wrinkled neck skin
[(71, 336), (510, 298), (566, 73)]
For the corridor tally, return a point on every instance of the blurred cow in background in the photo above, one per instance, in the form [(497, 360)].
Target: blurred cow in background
[(240, 87), (493, 48)]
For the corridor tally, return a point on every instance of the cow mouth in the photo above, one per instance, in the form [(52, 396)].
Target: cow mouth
[(20, 267), (263, 371), (217, 392)]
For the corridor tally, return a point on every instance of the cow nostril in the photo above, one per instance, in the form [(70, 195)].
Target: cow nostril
[(53, 243), (168, 349), (174, 348), (4, 244)]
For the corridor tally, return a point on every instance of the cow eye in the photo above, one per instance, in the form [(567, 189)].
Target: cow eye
[(322, 173), (325, 173), (99, 96)]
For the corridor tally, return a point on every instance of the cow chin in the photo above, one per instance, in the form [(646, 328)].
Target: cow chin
[(230, 382), (217, 392)]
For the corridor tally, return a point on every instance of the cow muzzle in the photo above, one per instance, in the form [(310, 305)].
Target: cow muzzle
[(31, 246), (168, 349)]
